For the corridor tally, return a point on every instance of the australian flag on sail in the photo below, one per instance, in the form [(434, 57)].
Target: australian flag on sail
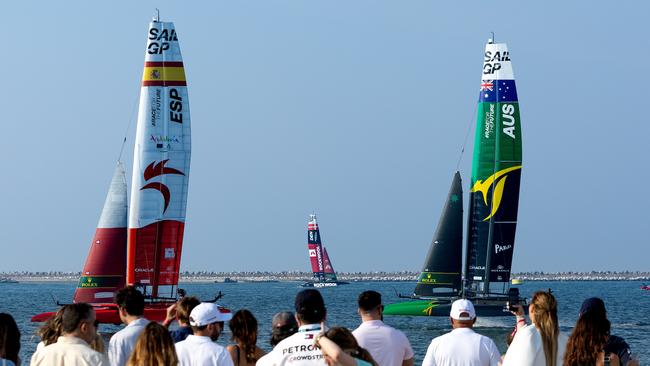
[(498, 91)]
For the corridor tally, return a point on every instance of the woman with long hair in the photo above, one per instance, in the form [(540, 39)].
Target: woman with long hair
[(9, 340), (245, 351), (540, 343), (588, 340), (339, 347), (51, 330), (154, 347)]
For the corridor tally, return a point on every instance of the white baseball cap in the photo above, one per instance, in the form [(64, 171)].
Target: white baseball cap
[(207, 313), (462, 306)]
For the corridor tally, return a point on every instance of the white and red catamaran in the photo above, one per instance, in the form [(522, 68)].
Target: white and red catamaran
[(321, 266), (148, 253)]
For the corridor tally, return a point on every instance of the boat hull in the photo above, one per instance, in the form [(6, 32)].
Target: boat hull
[(324, 284), (109, 314), (490, 307)]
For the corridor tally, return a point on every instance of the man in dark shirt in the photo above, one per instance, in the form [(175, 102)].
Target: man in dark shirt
[(180, 312)]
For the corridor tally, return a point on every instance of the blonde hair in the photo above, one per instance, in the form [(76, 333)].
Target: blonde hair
[(154, 347), (98, 343), (545, 312)]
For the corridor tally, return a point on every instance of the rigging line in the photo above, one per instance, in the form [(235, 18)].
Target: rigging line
[(469, 129), (128, 127)]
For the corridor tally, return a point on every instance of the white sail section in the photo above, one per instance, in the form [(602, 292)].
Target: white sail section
[(496, 62), (114, 214), (161, 161)]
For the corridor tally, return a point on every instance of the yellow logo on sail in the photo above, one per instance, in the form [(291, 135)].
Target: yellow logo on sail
[(483, 187)]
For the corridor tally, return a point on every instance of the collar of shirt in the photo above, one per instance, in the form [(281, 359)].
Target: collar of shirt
[(462, 330), (372, 323), (140, 322), (309, 327), (198, 339), (71, 340)]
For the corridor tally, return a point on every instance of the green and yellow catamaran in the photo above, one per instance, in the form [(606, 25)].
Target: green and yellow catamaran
[(492, 216)]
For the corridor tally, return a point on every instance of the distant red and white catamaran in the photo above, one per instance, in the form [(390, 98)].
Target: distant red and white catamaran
[(321, 266), (146, 253)]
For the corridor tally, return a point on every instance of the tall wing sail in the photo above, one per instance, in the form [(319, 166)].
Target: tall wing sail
[(316, 254), (496, 173), (105, 266), (443, 264), (161, 165), (330, 274)]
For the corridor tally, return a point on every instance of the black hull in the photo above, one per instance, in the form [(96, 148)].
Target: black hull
[(313, 284)]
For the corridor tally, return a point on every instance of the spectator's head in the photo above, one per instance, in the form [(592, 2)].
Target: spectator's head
[(283, 325), (243, 327), (593, 305), (154, 347), (206, 319), (130, 301), (543, 313), (590, 334), (51, 330), (9, 338), (185, 307), (79, 320), (462, 314), (310, 307), (345, 339), (370, 307)]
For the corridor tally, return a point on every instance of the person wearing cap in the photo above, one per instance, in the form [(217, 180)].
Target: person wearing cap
[(130, 305), (283, 325), (387, 345), (206, 320), (462, 346), (299, 349), (592, 329)]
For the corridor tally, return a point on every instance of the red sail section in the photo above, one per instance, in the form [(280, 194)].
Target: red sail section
[(105, 266), (315, 248), (155, 254), (328, 265)]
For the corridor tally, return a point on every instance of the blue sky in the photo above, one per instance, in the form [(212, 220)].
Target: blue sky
[(356, 110)]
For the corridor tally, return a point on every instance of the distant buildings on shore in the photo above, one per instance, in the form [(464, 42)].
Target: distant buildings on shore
[(264, 276)]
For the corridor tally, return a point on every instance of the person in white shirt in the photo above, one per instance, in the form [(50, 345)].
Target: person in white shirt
[(199, 349), (130, 304), (78, 327), (462, 346), (299, 349), (540, 343), (387, 345)]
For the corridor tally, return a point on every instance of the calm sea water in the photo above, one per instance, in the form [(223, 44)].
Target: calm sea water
[(628, 309)]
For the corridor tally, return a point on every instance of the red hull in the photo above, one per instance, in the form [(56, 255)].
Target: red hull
[(108, 314), (105, 266)]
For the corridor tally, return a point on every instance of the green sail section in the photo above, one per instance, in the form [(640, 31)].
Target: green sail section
[(496, 174)]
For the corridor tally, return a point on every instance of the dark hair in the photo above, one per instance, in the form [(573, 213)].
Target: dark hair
[(131, 300), (588, 339), (369, 300), (184, 308), (243, 326), (310, 306), (154, 347), (51, 330), (73, 315), (9, 338), (345, 339), (284, 325)]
